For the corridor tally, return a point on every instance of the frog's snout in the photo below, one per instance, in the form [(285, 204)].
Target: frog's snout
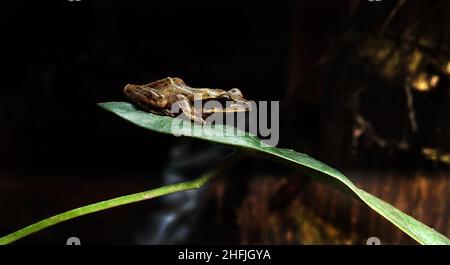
[(248, 106)]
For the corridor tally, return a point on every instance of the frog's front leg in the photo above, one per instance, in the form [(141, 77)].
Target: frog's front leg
[(185, 105)]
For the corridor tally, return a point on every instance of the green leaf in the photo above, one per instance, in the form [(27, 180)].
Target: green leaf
[(122, 200), (308, 165)]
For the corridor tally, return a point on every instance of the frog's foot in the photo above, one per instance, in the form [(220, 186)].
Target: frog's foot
[(198, 120), (185, 105)]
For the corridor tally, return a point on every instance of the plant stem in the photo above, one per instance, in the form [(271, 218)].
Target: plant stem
[(127, 199)]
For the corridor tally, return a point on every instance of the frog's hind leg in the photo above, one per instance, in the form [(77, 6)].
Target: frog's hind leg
[(185, 105), (145, 97)]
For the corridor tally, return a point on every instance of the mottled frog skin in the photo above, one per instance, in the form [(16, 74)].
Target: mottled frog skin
[(159, 96)]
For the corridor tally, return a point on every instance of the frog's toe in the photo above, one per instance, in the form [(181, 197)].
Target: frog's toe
[(199, 120)]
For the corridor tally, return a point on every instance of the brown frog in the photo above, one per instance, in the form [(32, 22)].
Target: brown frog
[(159, 96)]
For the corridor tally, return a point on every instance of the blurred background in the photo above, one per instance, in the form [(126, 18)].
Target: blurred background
[(364, 86)]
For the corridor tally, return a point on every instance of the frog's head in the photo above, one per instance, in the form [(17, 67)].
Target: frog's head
[(236, 95), (239, 102)]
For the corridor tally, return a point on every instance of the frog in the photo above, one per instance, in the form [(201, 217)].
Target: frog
[(158, 97)]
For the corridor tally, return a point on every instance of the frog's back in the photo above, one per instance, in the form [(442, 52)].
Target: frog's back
[(170, 88)]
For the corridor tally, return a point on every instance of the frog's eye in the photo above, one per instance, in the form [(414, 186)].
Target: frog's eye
[(235, 91)]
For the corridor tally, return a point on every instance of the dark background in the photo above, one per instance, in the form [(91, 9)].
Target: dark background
[(61, 58), (59, 150)]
